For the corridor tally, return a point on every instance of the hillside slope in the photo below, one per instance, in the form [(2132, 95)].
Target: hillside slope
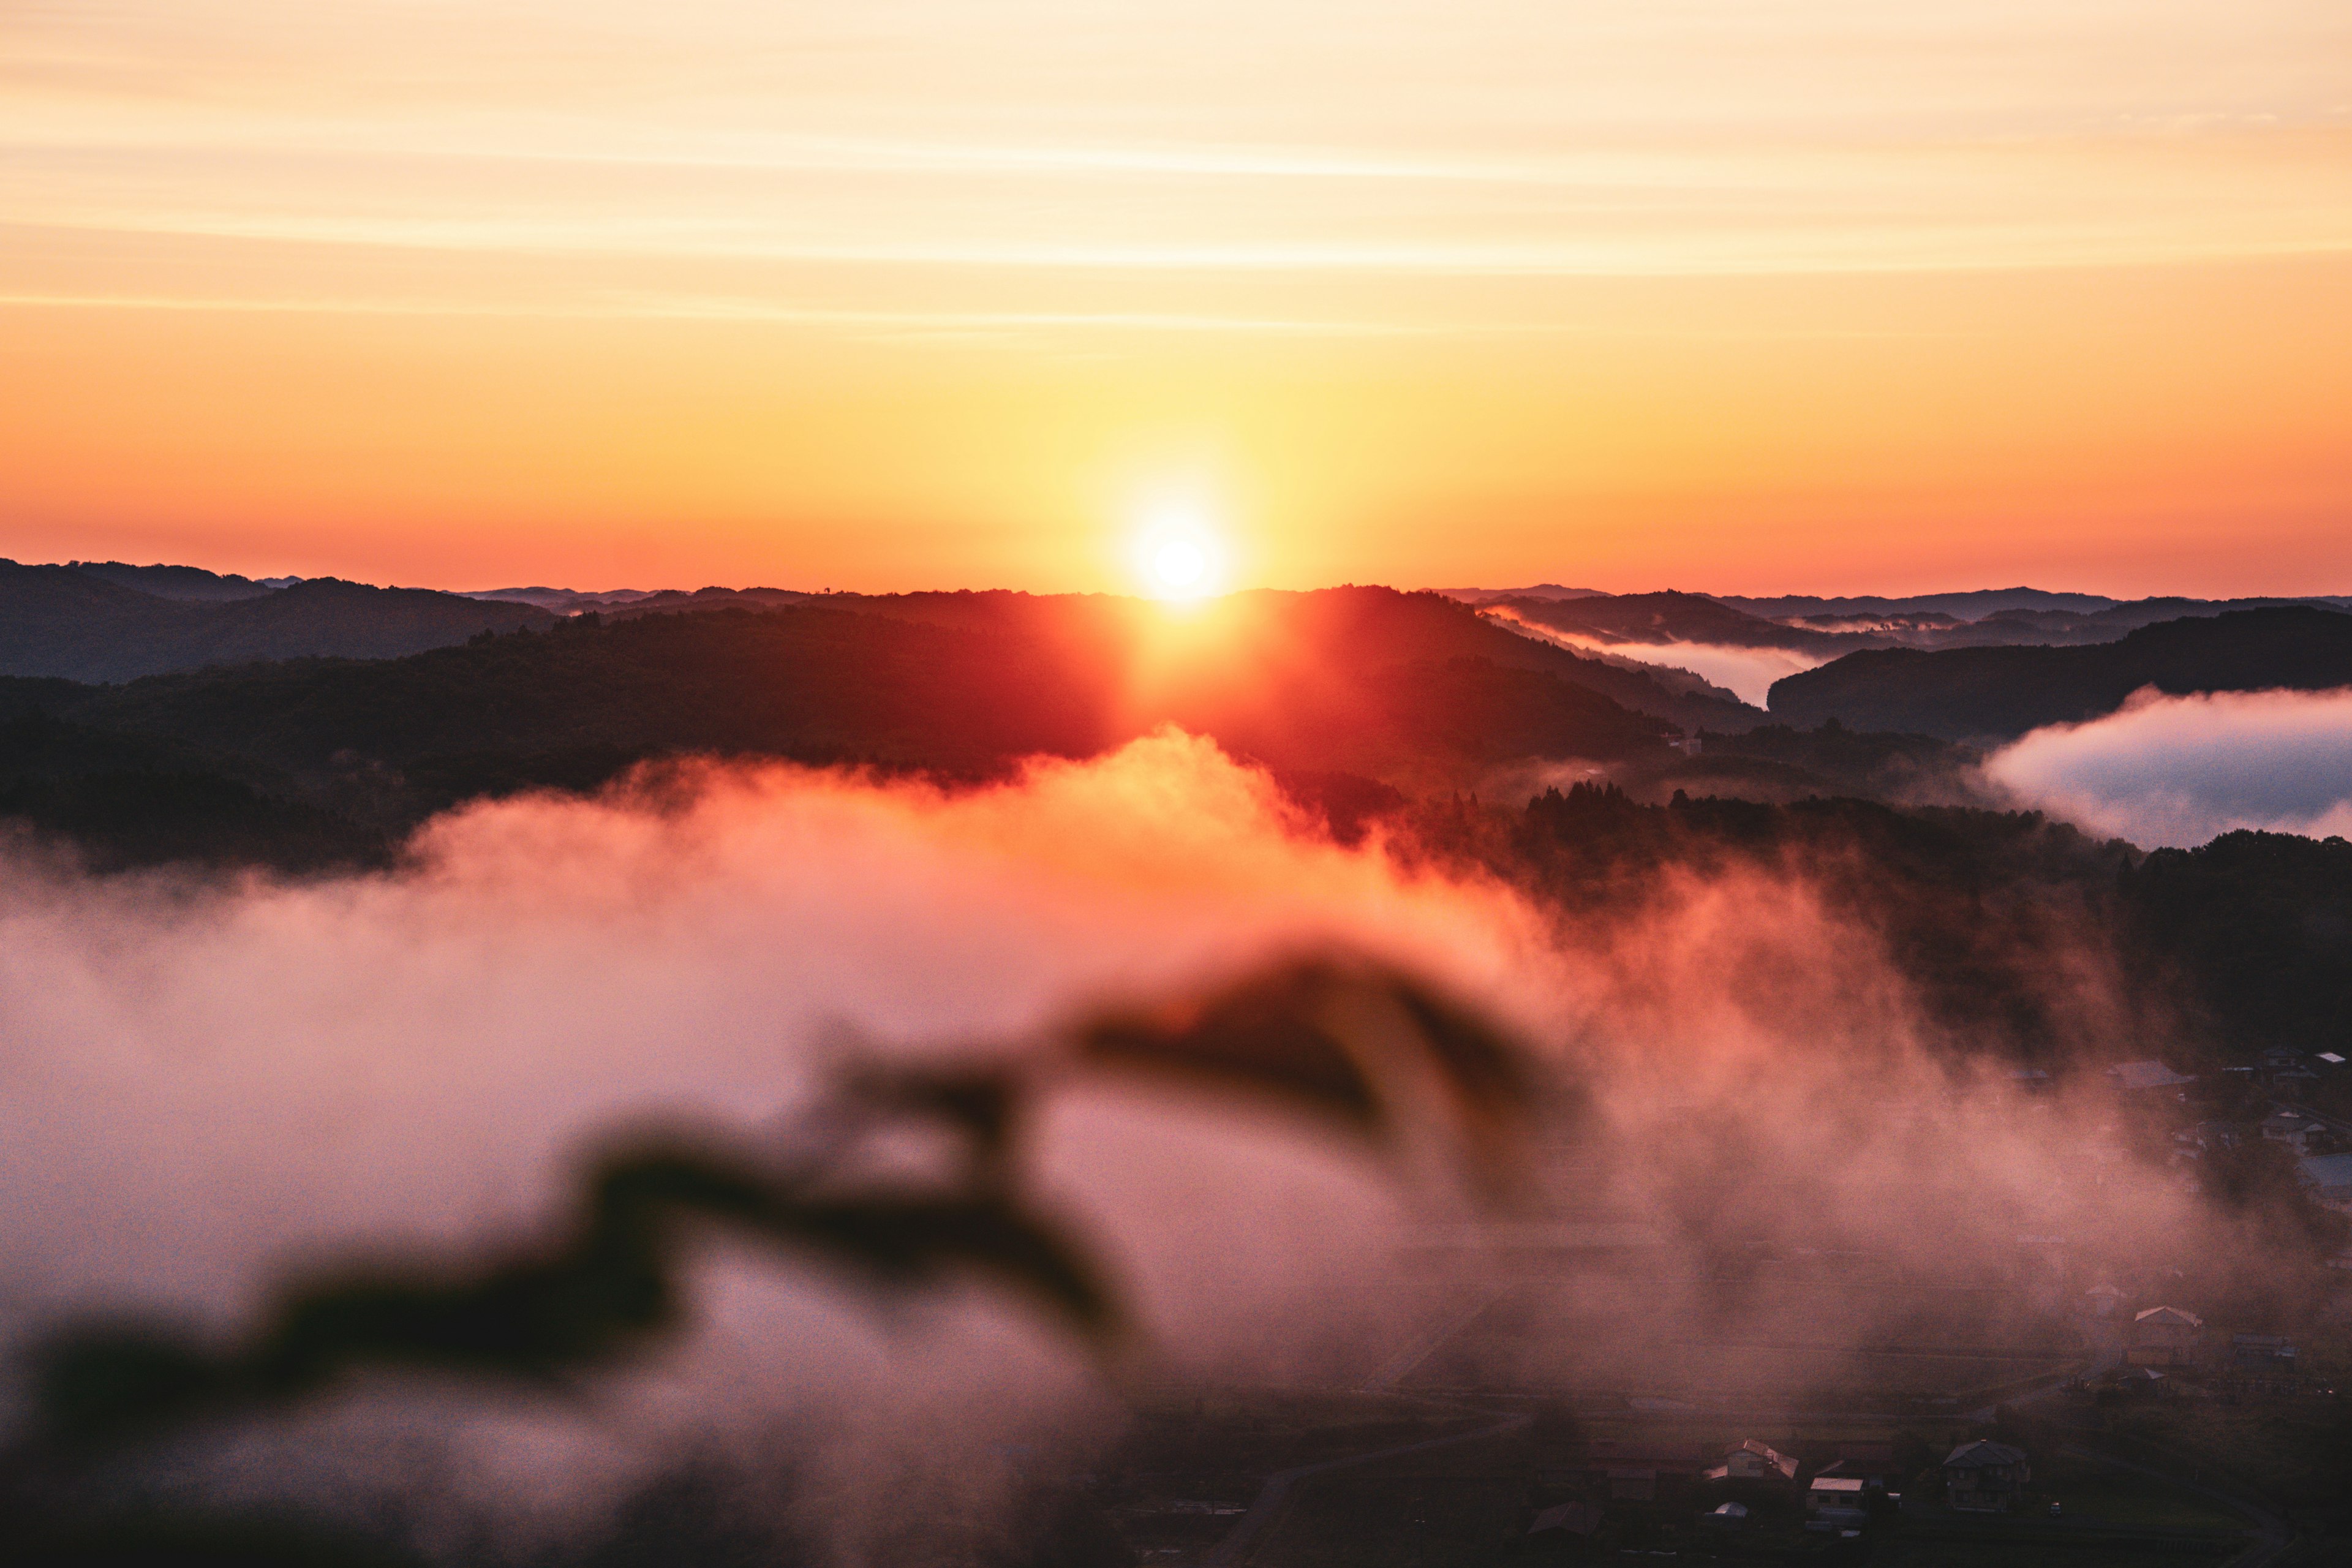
[(76, 624), (1293, 682), (1998, 693)]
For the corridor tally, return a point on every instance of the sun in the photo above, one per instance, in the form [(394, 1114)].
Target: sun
[(1179, 552), (1179, 566)]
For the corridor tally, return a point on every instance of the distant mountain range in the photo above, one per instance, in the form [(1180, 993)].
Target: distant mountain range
[(171, 707), (1354, 688), (1830, 628), (189, 582), (112, 623)]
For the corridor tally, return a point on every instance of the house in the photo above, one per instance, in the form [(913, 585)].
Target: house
[(2135, 1077), (1572, 1523), (1985, 1477), (1638, 1472), (2209, 1135), (2286, 1069), (1838, 1502), (1754, 1462), (2328, 1178), (2101, 1301), (2164, 1336), (2262, 1363), (2294, 1128), (1872, 1463)]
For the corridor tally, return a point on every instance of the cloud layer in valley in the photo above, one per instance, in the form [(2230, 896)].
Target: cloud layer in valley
[(200, 1082), (1747, 671), (2178, 770)]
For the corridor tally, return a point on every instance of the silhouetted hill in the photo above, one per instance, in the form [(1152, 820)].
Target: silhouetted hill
[(328, 617), (1974, 604), (1308, 683), (563, 601), (1668, 618), (1998, 693), (187, 582), (1261, 634), (2239, 946), (124, 801), (56, 621), (75, 623), (1535, 591)]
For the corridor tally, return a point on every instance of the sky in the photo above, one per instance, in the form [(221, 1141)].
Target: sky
[(1727, 295)]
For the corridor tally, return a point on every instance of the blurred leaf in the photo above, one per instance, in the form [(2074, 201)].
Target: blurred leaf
[(595, 1295), (142, 1539), (983, 1103), (1357, 1041), (1278, 1032)]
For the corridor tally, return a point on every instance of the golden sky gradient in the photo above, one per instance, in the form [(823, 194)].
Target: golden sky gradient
[(1718, 294)]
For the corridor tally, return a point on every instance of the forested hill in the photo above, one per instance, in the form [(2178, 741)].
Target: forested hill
[(1998, 693), (1309, 683), (2014, 933), (86, 625), (1352, 626)]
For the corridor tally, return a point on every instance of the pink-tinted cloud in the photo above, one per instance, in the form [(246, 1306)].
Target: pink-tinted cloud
[(2178, 770)]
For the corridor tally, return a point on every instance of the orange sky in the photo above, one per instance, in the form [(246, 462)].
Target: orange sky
[(1719, 294)]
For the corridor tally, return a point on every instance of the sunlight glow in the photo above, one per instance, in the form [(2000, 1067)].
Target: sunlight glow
[(1179, 552)]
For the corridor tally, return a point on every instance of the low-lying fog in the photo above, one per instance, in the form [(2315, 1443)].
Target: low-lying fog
[(199, 1084), (2178, 770), (1748, 672)]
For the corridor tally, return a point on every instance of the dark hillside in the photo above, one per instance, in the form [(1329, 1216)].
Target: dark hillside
[(328, 617), (190, 584), (388, 741), (1998, 693), (813, 684), (1283, 636), (67, 621), (2256, 930), (56, 621), (1675, 617), (2014, 932)]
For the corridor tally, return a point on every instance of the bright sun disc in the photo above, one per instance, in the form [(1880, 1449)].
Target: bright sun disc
[(1178, 554), (1180, 564)]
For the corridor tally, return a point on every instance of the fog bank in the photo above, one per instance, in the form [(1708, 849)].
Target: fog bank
[(2178, 770), (202, 1083)]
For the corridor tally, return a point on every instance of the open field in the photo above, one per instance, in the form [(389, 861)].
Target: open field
[(1913, 1553), (1765, 1339)]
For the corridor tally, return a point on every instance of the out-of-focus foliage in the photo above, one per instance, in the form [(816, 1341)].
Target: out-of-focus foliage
[(1354, 1041), (609, 1282), (1373, 1047)]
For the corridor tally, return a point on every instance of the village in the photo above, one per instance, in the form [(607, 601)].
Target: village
[(2049, 1406)]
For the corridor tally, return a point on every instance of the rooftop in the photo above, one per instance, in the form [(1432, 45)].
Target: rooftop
[(2168, 1315), (2327, 1170), (1982, 1452), (2146, 1075)]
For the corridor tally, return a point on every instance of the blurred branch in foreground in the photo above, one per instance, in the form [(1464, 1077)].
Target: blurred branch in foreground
[(1348, 1040)]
